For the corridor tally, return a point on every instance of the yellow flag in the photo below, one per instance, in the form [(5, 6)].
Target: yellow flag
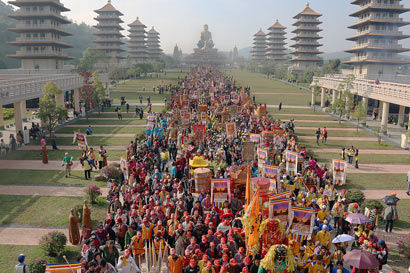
[(248, 192), (254, 219)]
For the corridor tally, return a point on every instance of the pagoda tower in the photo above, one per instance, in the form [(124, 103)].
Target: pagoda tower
[(41, 34), (153, 45), (376, 53), (235, 54), (137, 46), (109, 32), (259, 46), (306, 40), (177, 53), (276, 43)]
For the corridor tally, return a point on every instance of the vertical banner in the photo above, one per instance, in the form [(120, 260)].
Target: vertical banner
[(256, 138), (187, 117), (203, 117), (301, 223), (81, 139), (199, 131), (273, 173), (220, 191), (280, 208), (339, 171), (262, 157), (151, 121), (63, 268), (124, 167), (236, 98), (248, 151), (291, 163), (230, 129), (227, 99)]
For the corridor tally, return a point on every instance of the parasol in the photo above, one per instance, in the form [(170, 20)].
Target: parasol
[(361, 259), (342, 238), (357, 218), (390, 200)]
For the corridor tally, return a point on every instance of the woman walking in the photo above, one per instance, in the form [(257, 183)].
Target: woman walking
[(356, 158)]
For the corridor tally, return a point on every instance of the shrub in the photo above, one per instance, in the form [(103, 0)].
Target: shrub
[(373, 204), (38, 266), (404, 246), (8, 113), (355, 196), (53, 243), (111, 172), (92, 193)]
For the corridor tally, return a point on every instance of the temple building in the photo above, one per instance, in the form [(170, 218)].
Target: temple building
[(109, 32), (137, 46), (40, 34), (376, 53), (305, 52), (259, 46), (276, 43), (153, 45)]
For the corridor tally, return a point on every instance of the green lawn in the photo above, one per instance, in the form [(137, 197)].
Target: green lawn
[(9, 255), (311, 132), (110, 122), (398, 262), (290, 116), (311, 143), (103, 130), (57, 155), (46, 178), (30, 210), (275, 110), (367, 158), (370, 181), (272, 99), (133, 96)]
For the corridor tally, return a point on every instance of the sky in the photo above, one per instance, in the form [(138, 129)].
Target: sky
[(232, 22)]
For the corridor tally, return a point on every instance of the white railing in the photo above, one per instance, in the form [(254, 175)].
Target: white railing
[(391, 92), (19, 90), (41, 12), (37, 26)]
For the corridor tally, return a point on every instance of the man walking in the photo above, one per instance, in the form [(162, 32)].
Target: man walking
[(280, 106), (119, 114), (324, 135), (68, 162), (53, 140), (318, 132)]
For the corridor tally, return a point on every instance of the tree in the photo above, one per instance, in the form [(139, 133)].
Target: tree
[(89, 59), (344, 104), (99, 90), (49, 112), (87, 90), (331, 67), (360, 113)]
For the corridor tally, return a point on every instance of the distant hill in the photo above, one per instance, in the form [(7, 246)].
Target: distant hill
[(245, 52), (336, 55)]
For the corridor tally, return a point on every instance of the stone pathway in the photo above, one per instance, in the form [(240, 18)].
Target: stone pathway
[(26, 236), (379, 194), (380, 168), (71, 148), (46, 190), (288, 106), (38, 165), (362, 151), (109, 125), (313, 129), (99, 135), (342, 138)]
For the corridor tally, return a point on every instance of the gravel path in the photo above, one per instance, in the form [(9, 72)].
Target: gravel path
[(362, 151), (45, 190), (38, 165), (72, 148)]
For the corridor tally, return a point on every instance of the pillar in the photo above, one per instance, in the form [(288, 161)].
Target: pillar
[(18, 118), (313, 97), (107, 90), (60, 99), (379, 117), (23, 110), (385, 116), (334, 96), (322, 98), (400, 120), (76, 99), (1, 117)]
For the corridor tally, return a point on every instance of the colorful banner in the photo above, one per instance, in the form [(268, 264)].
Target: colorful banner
[(280, 208), (220, 191), (285, 194), (339, 171), (301, 223), (63, 268), (236, 98), (151, 121), (291, 163), (81, 139), (256, 138), (199, 131), (203, 117), (273, 186), (230, 129), (248, 151), (202, 107), (227, 99), (271, 171), (262, 154)]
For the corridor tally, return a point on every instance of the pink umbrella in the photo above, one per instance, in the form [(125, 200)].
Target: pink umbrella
[(357, 218), (260, 181), (361, 259)]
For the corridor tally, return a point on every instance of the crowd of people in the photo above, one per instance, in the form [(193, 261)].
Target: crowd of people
[(161, 219)]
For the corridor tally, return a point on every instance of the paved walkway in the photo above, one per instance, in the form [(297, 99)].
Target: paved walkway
[(26, 236), (379, 168), (38, 165), (313, 129), (45, 190), (108, 125), (288, 106), (99, 135), (362, 151), (72, 148), (342, 138), (379, 194)]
